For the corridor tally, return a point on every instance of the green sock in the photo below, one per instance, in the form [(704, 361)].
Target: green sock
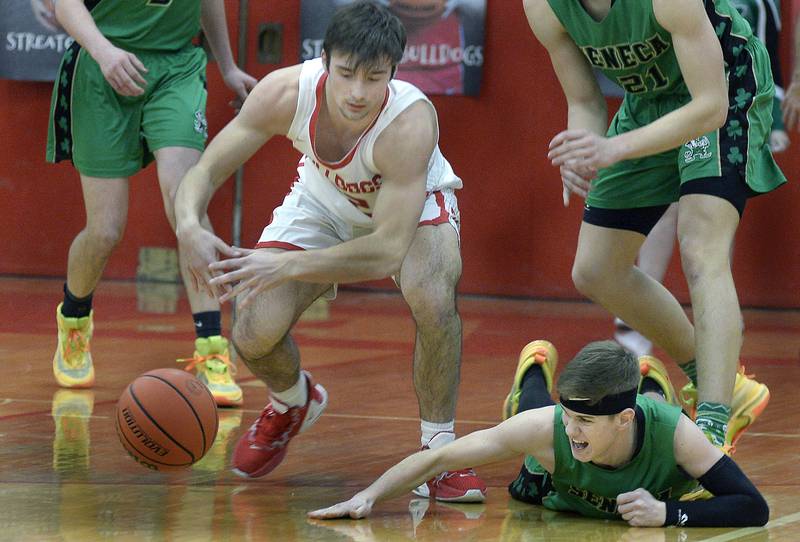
[(712, 419), (690, 370)]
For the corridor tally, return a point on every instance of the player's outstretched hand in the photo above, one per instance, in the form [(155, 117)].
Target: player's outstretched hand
[(640, 509), (122, 70), (249, 273), (582, 150), (241, 83), (356, 508), (198, 249)]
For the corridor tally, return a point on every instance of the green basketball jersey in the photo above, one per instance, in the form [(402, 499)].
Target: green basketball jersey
[(631, 48), (149, 25), (592, 491)]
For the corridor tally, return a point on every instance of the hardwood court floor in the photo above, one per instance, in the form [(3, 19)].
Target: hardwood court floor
[(64, 476)]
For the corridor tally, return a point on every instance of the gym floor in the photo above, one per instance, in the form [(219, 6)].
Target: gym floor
[(64, 475)]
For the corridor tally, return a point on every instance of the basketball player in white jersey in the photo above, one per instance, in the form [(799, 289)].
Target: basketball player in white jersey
[(373, 198)]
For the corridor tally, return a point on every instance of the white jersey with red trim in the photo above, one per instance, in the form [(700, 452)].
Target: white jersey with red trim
[(350, 187)]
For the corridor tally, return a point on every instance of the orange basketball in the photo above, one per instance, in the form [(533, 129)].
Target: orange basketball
[(166, 419)]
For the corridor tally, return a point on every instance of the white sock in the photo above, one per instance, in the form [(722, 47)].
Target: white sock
[(444, 433), (295, 396)]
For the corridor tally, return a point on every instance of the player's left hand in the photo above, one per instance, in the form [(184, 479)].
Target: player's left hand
[(778, 141), (252, 272), (640, 509), (241, 83), (791, 106), (582, 150), (357, 507)]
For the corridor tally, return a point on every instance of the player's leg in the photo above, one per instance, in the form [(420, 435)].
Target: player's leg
[(719, 171), (106, 206), (211, 359), (428, 279), (262, 339), (174, 126), (654, 258), (706, 228), (105, 153), (605, 271)]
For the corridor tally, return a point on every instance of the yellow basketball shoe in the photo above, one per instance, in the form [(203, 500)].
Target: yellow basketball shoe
[(750, 398), (214, 369), (539, 352), (72, 362), (651, 367), (71, 411)]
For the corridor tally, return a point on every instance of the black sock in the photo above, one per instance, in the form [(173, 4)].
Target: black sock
[(650, 385), (534, 390), (207, 324), (76, 307)]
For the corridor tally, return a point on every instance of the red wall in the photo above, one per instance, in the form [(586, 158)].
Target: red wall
[(517, 238)]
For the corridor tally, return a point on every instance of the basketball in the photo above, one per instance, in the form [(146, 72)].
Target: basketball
[(166, 419)]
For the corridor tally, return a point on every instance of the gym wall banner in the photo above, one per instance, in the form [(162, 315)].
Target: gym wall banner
[(32, 40), (444, 53)]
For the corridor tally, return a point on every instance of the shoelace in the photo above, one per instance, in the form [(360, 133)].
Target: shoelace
[(75, 347), (224, 360), (540, 356), (272, 429)]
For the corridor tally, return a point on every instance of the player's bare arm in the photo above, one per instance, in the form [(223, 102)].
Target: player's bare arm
[(529, 432), (213, 21), (586, 106), (122, 70), (268, 111), (706, 111), (401, 155)]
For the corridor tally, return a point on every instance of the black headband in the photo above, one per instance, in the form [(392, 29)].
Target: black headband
[(610, 404)]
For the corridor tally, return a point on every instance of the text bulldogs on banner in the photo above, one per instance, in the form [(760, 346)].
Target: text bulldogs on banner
[(32, 40), (444, 53)]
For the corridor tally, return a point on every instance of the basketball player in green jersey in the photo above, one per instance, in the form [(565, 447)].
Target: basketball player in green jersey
[(693, 126), (132, 88), (604, 451)]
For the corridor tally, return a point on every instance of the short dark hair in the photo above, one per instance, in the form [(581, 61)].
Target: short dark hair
[(367, 32), (601, 368)]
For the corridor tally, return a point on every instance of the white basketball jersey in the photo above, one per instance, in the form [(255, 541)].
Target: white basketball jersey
[(350, 187)]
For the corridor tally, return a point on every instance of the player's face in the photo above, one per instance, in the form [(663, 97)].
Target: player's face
[(590, 437), (356, 94)]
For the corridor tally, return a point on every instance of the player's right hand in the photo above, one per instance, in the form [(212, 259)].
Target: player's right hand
[(198, 248), (123, 71), (574, 181), (357, 507)]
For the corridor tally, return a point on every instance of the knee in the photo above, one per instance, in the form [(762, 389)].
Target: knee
[(105, 237), (253, 340), (432, 304), (700, 259), (588, 279)]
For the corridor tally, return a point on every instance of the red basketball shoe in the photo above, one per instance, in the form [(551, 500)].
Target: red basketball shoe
[(454, 486), (264, 445)]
